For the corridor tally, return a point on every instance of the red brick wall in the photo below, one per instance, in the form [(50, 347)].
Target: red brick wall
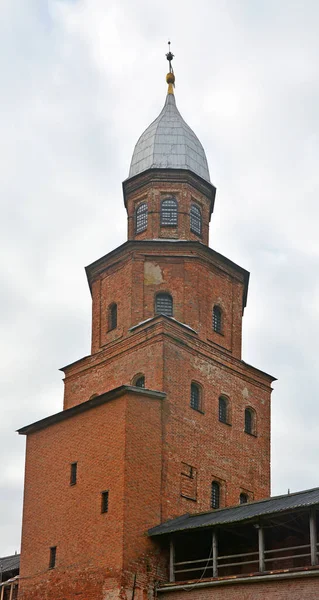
[(152, 194), (132, 280), (114, 445), (295, 589)]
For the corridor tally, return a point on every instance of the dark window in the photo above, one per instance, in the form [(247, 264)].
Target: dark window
[(169, 212), (215, 494), (217, 319), (196, 220), (195, 397), (112, 317), (243, 498), (73, 473), (140, 381), (104, 502), (164, 305), (52, 557), (141, 218), (250, 421), (223, 409)]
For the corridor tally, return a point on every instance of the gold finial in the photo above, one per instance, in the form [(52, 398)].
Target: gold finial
[(170, 77)]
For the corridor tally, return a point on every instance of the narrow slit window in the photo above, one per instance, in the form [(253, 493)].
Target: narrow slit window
[(195, 397), (169, 213), (223, 409), (217, 319), (243, 498), (141, 218), (73, 473), (112, 316), (250, 421), (104, 502), (196, 219), (215, 501), (164, 305), (52, 559)]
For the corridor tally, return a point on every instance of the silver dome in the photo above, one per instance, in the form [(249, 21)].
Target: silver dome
[(168, 143)]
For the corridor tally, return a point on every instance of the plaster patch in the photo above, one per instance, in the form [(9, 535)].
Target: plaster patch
[(245, 393), (152, 274)]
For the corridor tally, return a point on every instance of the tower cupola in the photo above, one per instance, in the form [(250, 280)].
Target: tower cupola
[(168, 194)]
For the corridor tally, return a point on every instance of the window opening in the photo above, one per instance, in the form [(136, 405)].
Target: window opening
[(141, 218), (104, 502), (189, 482), (215, 494), (195, 397), (73, 473), (164, 305), (169, 212), (112, 316), (250, 421), (217, 319), (222, 409), (52, 557), (243, 498), (196, 219), (140, 381)]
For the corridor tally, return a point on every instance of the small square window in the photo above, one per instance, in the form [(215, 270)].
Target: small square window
[(104, 502)]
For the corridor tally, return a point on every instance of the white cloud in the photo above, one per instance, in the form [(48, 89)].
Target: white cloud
[(80, 81)]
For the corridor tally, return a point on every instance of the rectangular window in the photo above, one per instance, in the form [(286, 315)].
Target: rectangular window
[(104, 502), (189, 482), (73, 473), (52, 557)]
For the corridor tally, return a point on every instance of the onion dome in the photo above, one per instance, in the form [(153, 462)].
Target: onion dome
[(169, 143)]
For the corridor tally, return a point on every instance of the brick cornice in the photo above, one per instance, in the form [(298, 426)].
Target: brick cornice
[(138, 182)]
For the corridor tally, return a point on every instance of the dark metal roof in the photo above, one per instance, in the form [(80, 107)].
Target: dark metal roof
[(88, 405), (9, 563), (242, 512)]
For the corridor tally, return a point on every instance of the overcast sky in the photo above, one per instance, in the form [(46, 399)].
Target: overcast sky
[(81, 80)]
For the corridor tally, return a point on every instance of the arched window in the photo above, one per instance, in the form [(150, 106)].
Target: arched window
[(141, 218), (217, 319), (169, 213), (195, 400), (139, 381), (112, 317), (164, 305), (215, 500), (196, 219), (223, 409), (243, 498), (250, 421)]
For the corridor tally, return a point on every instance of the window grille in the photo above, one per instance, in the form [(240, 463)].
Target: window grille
[(112, 317), (243, 498), (169, 213), (140, 382), (196, 219), (222, 410), (250, 421), (52, 557), (73, 473), (189, 482), (141, 218), (195, 397), (217, 319), (104, 502), (164, 305), (215, 494)]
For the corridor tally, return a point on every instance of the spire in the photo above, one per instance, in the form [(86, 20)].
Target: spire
[(170, 77)]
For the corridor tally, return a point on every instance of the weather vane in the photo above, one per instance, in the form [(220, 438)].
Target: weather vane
[(170, 57)]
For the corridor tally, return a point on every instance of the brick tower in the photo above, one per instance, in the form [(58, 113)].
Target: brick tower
[(163, 417)]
